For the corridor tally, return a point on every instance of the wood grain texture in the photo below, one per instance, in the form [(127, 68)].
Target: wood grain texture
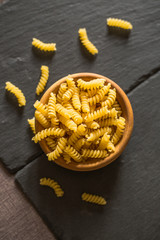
[(124, 60), (130, 185)]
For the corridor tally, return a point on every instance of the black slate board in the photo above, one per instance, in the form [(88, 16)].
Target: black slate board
[(127, 61), (130, 184)]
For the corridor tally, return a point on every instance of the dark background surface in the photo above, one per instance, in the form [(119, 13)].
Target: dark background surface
[(131, 184)]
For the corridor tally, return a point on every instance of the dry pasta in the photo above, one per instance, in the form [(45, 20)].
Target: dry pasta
[(115, 22), (46, 47), (85, 41), (32, 124), (52, 184), (81, 124), (43, 80), (93, 199), (17, 92)]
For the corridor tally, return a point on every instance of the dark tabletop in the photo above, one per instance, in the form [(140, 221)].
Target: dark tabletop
[(131, 183)]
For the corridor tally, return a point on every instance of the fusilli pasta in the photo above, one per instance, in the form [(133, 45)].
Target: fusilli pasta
[(52, 184), (85, 41), (48, 132), (17, 92), (32, 124), (58, 150), (93, 199), (46, 47), (115, 22), (73, 153), (43, 80)]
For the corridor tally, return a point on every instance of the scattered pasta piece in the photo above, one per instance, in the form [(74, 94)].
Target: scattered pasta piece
[(32, 124), (43, 80), (93, 199), (115, 22), (52, 184), (17, 92), (46, 47), (85, 41)]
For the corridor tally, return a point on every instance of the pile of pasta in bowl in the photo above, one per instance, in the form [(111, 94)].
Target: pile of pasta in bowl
[(81, 121)]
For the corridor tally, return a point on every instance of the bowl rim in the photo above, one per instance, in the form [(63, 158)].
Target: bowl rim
[(120, 146)]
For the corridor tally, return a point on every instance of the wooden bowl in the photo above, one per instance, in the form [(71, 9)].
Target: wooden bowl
[(127, 113)]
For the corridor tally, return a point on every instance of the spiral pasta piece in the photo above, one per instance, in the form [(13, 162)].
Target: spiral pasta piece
[(74, 114), (98, 133), (17, 92), (96, 114), (107, 122), (46, 47), (41, 119), (51, 143), (110, 147), (76, 100), (48, 132), (79, 144), (111, 98), (93, 199), (92, 92), (84, 102), (63, 111), (71, 88), (73, 153), (81, 131), (67, 158), (52, 105), (61, 144), (115, 22), (52, 184), (89, 153), (54, 122), (32, 124), (93, 125), (70, 124), (100, 95), (62, 89), (43, 80), (119, 131), (85, 41), (41, 108), (93, 84), (104, 141), (118, 108)]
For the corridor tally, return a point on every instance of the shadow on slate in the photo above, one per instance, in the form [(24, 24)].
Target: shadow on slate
[(124, 60), (130, 184)]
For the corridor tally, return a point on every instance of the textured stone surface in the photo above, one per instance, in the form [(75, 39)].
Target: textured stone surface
[(130, 184), (124, 60)]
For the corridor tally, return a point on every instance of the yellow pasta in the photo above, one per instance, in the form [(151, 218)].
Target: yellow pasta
[(52, 105), (43, 80), (96, 114), (111, 98), (41, 119), (58, 150), (79, 144), (17, 92), (81, 131), (92, 125), (32, 124), (93, 199), (119, 131), (41, 108), (85, 41), (74, 114), (46, 47), (54, 122), (91, 85), (90, 153), (51, 143), (67, 158), (76, 100), (48, 132), (104, 141), (92, 92), (107, 122), (63, 111), (73, 153), (84, 102), (99, 95), (115, 22), (118, 108), (110, 147), (68, 123), (52, 184), (71, 88), (98, 133), (62, 89)]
